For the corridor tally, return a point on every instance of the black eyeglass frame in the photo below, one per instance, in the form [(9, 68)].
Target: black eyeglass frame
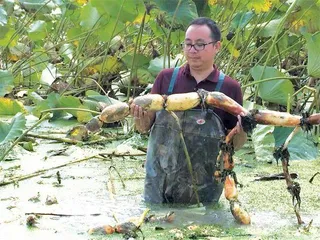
[(203, 46)]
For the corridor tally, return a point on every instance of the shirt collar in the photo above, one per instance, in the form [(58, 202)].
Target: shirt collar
[(212, 77)]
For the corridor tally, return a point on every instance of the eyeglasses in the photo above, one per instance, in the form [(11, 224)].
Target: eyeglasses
[(196, 46)]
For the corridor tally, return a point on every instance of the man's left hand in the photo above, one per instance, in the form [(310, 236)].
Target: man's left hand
[(241, 137)]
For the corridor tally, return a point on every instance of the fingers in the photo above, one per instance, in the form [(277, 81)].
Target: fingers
[(137, 112), (239, 120), (238, 128), (239, 124)]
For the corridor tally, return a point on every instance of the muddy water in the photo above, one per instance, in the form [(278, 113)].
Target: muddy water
[(83, 191), (84, 195)]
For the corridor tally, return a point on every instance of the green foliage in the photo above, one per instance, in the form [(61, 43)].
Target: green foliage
[(159, 63), (39, 6), (12, 130), (144, 76), (302, 146), (10, 107), (6, 82), (263, 143), (183, 15), (275, 91), (89, 17), (313, 47), (8, 5), (140, 59), (268, 29), (241, 20), (54, 100), (100, 98), (6, 35), (3, 17), (73, 102), (120, 46), (127, 11), (37, 30)]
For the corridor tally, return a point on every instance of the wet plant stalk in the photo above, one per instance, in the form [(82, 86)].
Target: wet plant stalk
[(110, 182), (61, 214), (136, 48), (274, 40), (65, 140), (45, 117), (72, 141), (119, 175), (189, 164), (142, 217), (291, 186), (42, 171), (73, 109)]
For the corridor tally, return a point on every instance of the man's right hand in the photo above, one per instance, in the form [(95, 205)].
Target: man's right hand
[(143, 119)]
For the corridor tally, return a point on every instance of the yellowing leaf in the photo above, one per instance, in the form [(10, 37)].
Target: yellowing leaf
[(307, 16), (81, 2), (8, 37), (10, 107), (139, 18), (79, 133), (297, 24), (90, 71), (234, 52), (261, 5), (83, 117), (75, 132), (111, 65), (13, 57), (212, 2)]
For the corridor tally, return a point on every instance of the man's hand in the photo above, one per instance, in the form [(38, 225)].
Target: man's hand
[(239, 123), (241, 137), (143, 119)]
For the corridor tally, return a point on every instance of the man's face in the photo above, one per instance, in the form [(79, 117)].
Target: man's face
[(200, 35)]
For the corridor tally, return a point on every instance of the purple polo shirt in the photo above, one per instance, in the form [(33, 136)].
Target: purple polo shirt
[(185, 82)]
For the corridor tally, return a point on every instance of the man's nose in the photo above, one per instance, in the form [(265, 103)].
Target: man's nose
[(192, 49)]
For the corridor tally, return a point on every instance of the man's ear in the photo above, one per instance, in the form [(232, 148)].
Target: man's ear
[(217, 45)]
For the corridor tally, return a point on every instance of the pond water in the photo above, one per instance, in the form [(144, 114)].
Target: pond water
[(85, 196)]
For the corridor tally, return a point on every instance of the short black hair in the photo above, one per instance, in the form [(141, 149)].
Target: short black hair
[(215, 31)]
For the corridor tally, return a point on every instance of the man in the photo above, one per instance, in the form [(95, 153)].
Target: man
[(168, 179)]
